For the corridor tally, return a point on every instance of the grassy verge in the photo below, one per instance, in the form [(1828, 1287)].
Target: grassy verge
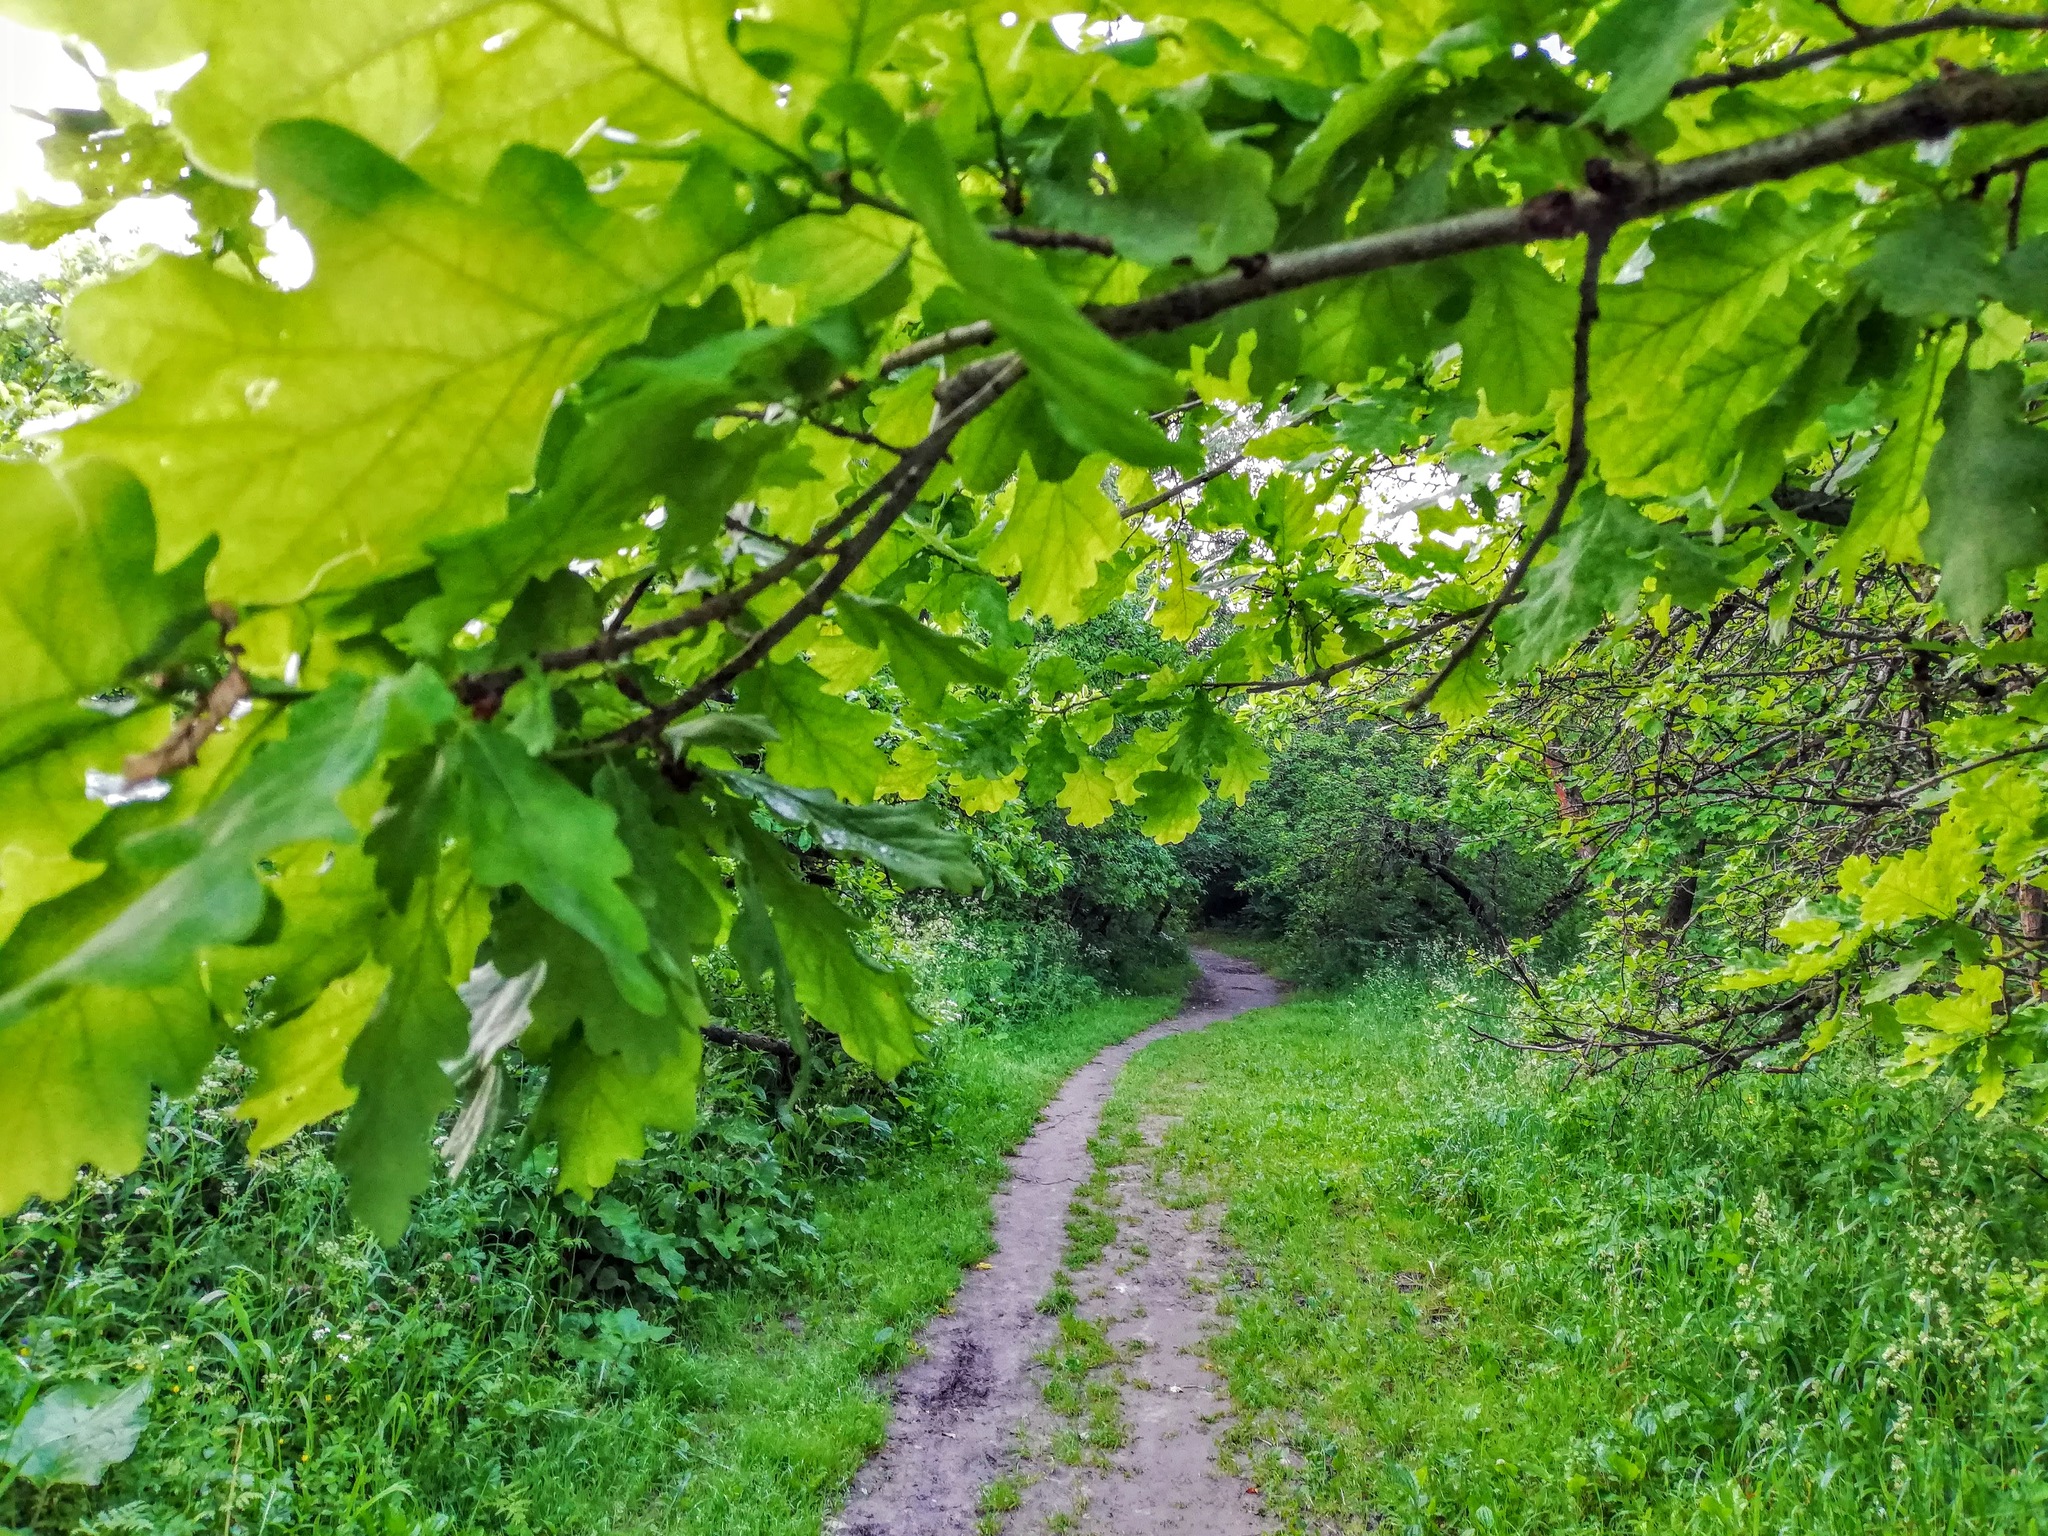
[(1476, 1303), (307, 1381)]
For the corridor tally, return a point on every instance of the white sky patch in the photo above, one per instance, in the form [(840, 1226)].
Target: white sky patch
[(37, 75), (1075, 30)]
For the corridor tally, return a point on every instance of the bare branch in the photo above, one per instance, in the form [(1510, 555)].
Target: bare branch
[(1052, 240), (180, 749)]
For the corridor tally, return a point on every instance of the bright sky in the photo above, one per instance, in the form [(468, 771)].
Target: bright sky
[(36, 75)]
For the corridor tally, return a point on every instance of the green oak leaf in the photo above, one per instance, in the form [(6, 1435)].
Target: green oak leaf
[(1926, 882), (131, 34), (326, 901), (80, 598), (1466, 695), (530, 827), (1646, 46), (1181, 607), (449, 87), (1362, 112), (298, 1064), (1099, 392), (674, 881), (578, 988), (44, 811), (1934, 261), (1181, 193), (866, 1005), (209, 891), (1709, 333), (1987, 492), (923, 662), (1169, 804), (1600, 561), (910, 841), (394, 1069), (1055, 534), (1517, 336), (80, 1070), (39, 225), (827, 42), (1891, 499), (1088, 798), (822, 740), (598, 1108), (332, 434)]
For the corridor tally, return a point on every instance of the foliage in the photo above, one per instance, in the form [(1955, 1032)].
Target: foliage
[(1360, 845), (1467, 1302), (689, 412), (39, 376), (499, 1372)]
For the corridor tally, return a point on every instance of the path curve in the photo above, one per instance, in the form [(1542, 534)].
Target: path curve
[(965, 1410)]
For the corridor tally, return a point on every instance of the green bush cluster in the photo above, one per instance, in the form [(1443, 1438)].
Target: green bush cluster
[(1359, 846)]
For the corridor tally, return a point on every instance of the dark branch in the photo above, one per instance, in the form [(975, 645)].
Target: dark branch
[(1956, 18), (1192, 483), (895, 491), (1617, 196), (1052, 240), (746, 1039), (1575, 461)]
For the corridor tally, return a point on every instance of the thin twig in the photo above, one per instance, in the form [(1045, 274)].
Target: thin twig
[(180, 749), (851, 434), (1192, 483), (479, 686), (1052, 240), (617, 621), (1955, 19), (1575, 461), (1337, 669)]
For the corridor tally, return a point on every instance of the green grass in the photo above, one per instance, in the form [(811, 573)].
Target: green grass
[(1470, 1301), (308, 1381)]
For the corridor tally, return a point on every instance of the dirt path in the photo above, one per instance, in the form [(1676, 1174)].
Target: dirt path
[(1104, 1421)]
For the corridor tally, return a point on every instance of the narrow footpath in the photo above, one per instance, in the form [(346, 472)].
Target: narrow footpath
[(974, 1437)]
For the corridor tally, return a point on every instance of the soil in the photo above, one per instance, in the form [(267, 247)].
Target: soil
[(989, 1435)]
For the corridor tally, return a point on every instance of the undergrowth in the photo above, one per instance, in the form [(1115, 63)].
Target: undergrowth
[(1484, 1303), (697, 1351)]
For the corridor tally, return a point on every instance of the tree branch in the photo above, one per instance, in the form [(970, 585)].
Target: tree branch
[(1616, 196), (1575, 461), (896, 491), (479, 686), (1955, 19), (747, 1039), (1193, 482), (1052, 240), (180, 749)]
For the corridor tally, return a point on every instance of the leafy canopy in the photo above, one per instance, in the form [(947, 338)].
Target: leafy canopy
[(693, 425)]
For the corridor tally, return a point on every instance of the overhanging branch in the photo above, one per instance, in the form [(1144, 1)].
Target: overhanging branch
[(1957, 18), (1616, 195)]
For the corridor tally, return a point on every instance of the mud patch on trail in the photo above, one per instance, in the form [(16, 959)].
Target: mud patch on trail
[(1089, 1409)]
